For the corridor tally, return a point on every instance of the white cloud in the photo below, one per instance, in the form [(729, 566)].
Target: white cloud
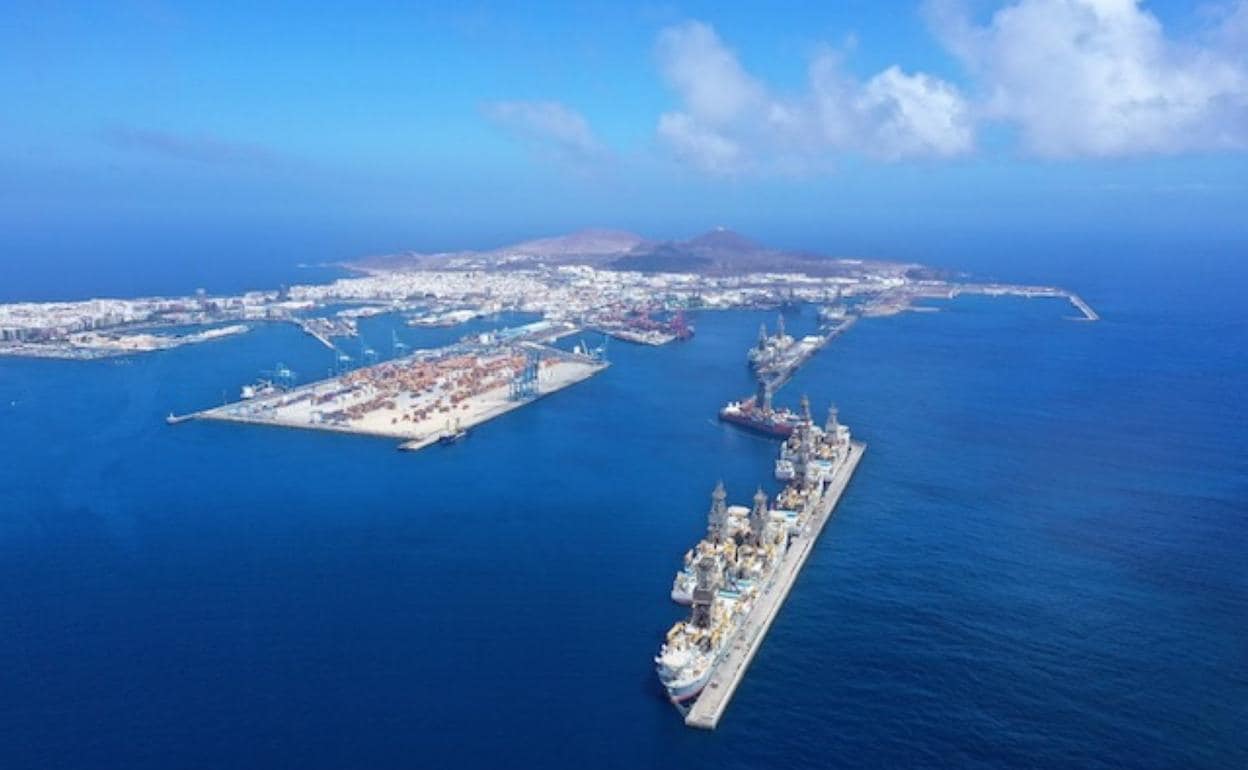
[(550, 126), (698, 145), (1075, 78), (730, 121), (1102, 78), (707, 75)]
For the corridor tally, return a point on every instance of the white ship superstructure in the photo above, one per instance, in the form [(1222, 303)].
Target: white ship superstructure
[(770, 348), (720, 580), (811, 453)]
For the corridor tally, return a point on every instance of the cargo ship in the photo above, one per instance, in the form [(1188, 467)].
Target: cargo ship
[(757, 414), (640, 328), (259, 389), (279, 380)]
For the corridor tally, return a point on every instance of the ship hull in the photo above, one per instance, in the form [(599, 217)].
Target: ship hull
[(687, 691), (772, 429)]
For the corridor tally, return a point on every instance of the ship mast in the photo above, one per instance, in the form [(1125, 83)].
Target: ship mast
[(763, 399), (758, 516), (704, 591), (717, 518)]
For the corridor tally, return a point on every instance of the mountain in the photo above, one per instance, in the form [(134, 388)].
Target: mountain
[(723, 252), (717, 252), (583, 243), (722, 241)]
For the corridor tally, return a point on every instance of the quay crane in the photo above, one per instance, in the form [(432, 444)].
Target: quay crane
[(281, 374), (397, 346), (341, 364), (276, 380), (597, 354), (524, 384)]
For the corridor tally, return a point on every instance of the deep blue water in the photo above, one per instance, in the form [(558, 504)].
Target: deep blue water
[(144, 264), (1038, 564)]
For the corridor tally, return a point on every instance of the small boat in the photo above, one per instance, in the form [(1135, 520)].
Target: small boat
[(446, 439), (452, 436)]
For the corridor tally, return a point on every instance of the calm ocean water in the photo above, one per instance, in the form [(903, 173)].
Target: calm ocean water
[(1038, 564)]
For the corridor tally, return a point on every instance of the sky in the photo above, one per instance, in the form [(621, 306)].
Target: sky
[(848, 127)]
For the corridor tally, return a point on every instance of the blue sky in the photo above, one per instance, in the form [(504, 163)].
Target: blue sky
[(842, 126)]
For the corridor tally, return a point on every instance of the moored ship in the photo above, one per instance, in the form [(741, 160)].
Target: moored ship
[(777, 369), (279, 380), (757, 414), (453, 433), (727, 568), (770, 348), (732, 571), (259, 389)]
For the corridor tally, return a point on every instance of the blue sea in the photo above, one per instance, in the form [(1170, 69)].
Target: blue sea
[(1040, 562)]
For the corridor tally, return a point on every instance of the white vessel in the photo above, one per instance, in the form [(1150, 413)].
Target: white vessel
[(683, 585), (830, 313), (770, 348), (724, 575)]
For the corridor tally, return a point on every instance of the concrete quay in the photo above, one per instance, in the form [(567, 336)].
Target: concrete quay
[(778, 379), (1083, 307), (999, 290), (728, 671), (418, 399)]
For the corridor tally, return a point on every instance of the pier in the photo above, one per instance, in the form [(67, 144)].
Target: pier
[(322, 329), (1088, 313), (728, 671), (803, 350), (1004, 290)]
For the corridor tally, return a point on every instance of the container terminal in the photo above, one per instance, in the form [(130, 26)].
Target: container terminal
[(428, 397), (737, 577)]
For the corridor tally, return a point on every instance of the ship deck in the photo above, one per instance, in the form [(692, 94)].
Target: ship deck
[(709, 707)]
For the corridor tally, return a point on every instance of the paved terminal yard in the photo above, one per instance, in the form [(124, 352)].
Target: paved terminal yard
[(420, 398), (709, 708)]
